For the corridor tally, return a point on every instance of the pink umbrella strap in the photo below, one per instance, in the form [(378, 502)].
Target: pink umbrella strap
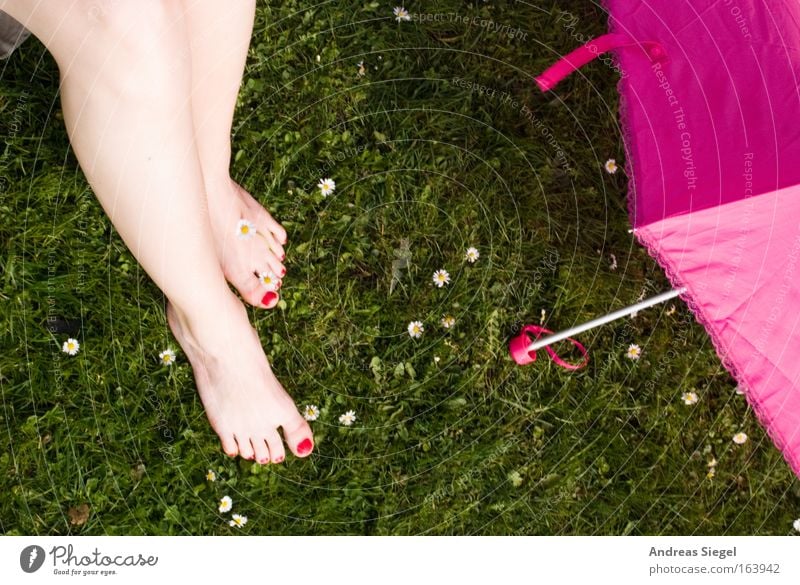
[(518, 348), (590, 51)]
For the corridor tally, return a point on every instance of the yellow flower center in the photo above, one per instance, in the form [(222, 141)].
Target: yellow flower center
[(245, 229)]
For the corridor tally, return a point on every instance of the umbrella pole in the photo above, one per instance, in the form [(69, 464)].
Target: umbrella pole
[(550, 339)]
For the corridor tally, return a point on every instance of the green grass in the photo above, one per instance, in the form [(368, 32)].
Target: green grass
[(471, 444)]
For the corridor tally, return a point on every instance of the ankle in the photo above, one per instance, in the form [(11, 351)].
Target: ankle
[(213, 325)]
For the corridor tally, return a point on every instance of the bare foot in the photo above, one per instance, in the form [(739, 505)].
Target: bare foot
[(245, 260), (243, 400)]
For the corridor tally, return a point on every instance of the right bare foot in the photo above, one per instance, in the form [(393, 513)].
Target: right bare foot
[(244, 260), (243, 400)]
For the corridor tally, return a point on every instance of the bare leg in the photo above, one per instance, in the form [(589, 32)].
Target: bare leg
[(219, 37), (125, 86)]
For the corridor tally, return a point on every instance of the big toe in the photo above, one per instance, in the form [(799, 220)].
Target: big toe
[(299, 437)]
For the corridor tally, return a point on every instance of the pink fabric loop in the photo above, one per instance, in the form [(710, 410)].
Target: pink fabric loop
[(518, 348), (590, 51)]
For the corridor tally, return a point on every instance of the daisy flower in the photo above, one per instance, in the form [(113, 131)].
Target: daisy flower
[(437, 359), (613, 264), (245, 229), (311, 412), (448, 321), (712, 471), (611, 166), (225, 504), (796, 525), (211, 476), (167, 357), (327, 186), (401, 14), (712, 462), (441, 277), (71, 346), (415, 329), (472, 255), (634, 352), (362, 70), (237, 520), (348, 418), (268, 280), (740, 438), (689, 398)]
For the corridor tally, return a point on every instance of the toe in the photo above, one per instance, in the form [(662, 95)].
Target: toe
[(275, 444), (260, 450), (229, 445), (275, 248), (273, 227), (299, 437), (245, 448), (253, 291)]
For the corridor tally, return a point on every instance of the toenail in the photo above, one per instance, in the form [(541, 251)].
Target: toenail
[(279, 459), (304, 446), (283, 256), (283, 271), (278, 286), (268, 298), (263, 461)]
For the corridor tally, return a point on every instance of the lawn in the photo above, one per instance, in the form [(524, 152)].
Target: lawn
[(438, 141)]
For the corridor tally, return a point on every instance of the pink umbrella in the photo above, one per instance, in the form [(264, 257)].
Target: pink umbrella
[(710, 111)]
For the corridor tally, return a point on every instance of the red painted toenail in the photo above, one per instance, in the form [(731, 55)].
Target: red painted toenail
[(283, 272), (268, 298), (278, 286), (304, 446), (279, 459)]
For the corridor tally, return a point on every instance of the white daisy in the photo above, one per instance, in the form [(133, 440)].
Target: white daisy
[(441, 277), (634, 352), (401, 14), (448, 321), (740, 438), (472, 255), (211, 476), (712, 471), (362, 70), (71, 346), (311, 412), (437, 359), (225, 504), (415, 329), (796, 525), (689, 398), (611, 166), (327, 186), (348, 418), (167, 357), (237, 520), (268, 280), (245, 229), (613, 264)]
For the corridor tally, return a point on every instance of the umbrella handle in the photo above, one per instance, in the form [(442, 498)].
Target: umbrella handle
[(520, 352), (590, 51)]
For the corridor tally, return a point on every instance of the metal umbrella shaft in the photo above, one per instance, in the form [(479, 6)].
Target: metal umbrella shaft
[(561, 335)]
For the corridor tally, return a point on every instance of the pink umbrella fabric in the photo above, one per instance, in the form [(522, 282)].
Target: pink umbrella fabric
[(710, 110)]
